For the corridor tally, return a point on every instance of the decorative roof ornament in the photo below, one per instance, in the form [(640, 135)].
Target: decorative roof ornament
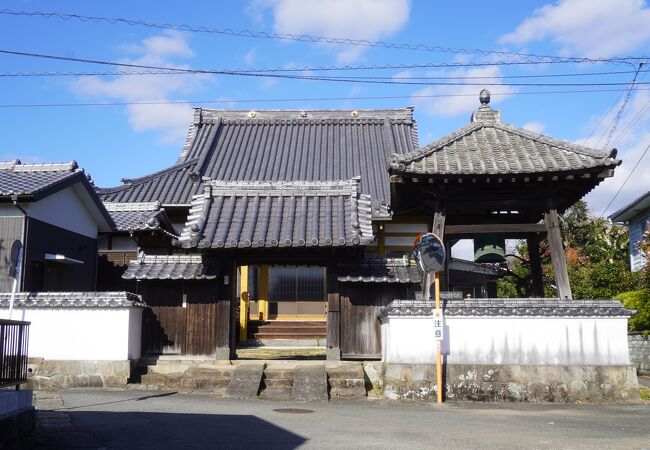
[(485, 113), (484, 97)]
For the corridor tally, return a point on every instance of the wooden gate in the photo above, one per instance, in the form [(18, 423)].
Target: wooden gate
[(360, 307), (183, 318)]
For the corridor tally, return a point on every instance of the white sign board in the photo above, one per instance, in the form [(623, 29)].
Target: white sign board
[(438, 322)]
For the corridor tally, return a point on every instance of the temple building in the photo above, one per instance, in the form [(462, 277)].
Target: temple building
[(299, 224)]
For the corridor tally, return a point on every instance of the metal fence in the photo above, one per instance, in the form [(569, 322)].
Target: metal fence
[(14, 337)]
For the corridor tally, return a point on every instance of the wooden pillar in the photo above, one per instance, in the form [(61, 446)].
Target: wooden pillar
[(535, 265), (333, 315), (225, 316), (263, 294), (558, 258), (243, 303)]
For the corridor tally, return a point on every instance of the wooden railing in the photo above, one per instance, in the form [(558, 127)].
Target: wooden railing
[(14, 337)]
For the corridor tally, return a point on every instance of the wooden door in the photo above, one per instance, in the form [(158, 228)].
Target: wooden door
[(360, 307)]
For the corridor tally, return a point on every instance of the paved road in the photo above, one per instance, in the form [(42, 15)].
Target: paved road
[(166, 420)]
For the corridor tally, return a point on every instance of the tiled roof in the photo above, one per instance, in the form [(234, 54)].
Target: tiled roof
[(139, 216), (488, 147), (32, 182), (511, 307), (278, 214), (389, 270), (633, 208), (171, 267), (281, 146), (72, 300), (172, 186), (32, 179)]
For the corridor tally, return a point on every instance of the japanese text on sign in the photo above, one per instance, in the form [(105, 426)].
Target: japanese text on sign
[(438, 322)]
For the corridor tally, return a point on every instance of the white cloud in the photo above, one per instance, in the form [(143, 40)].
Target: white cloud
[(587, 27), (251, 56), (360, 19), (162, 50), (535, 126), (464, 98)]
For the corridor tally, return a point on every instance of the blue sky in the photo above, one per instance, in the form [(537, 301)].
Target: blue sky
[(112, 142)]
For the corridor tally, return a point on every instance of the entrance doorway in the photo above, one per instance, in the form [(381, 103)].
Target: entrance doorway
[(297, 292)]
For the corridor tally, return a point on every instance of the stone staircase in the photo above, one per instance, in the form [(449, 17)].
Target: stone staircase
[(264, 380), (264, 331)]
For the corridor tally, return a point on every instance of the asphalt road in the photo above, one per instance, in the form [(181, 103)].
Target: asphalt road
[(167, 420)]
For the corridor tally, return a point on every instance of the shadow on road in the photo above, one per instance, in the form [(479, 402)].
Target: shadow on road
[(155, 430)]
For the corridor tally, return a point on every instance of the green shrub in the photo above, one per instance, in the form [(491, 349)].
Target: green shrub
[(639, 300)]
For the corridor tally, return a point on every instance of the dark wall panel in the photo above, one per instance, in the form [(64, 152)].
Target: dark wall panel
[(44, 238)]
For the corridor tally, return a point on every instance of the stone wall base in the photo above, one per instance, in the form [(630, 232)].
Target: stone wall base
[(514, 383), (62, 374)]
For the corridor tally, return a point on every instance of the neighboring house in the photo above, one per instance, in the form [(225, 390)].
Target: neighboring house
[(305, 215), (637, 217), (54, 211)]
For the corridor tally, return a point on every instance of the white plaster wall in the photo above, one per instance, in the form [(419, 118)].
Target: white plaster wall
[(509, 340), (64, 209), (82, 334)]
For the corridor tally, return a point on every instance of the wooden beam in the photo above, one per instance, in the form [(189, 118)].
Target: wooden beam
[(496, 228), (552, 222), (381, 241), (535, 265)]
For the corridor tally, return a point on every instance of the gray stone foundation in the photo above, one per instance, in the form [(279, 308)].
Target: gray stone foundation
[(515, 383), (63, 374)]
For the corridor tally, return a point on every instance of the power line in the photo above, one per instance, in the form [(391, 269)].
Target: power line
[(626, 180), (307, 37), (172, 71), (307, 99), (619, 114), (301, 77), (454, 65)]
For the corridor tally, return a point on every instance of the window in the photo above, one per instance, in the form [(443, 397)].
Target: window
[(303, 284)]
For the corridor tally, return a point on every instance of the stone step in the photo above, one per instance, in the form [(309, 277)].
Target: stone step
[(348, 392), (246, 381), (167, 369), (347, 382), (305, 335), (345, 371), (276, 393), (172, 380), (309, 383), (285, 329), (277, 378)]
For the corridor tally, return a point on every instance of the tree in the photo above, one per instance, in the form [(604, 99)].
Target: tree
[(597, 260)]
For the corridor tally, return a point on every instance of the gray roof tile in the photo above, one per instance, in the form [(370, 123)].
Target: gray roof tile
[(72, 300), (488, 147), (281, 146), (511, 307), (139, 217), (172, 267), (31, 179), (389, 270), (278, 214)]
